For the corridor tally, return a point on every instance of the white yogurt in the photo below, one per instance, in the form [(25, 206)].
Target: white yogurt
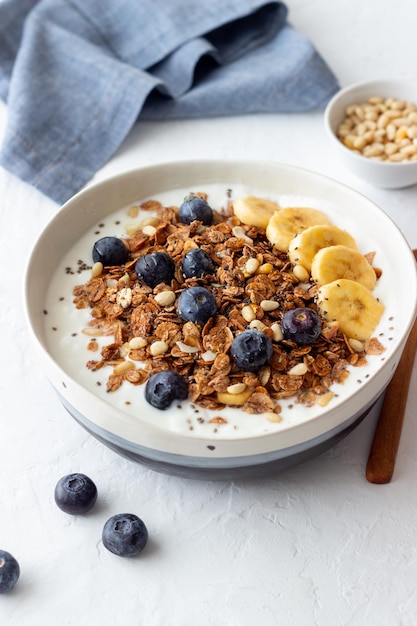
[(68, 344)]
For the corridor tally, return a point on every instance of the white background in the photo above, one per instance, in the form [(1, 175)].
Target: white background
[(315, 545)]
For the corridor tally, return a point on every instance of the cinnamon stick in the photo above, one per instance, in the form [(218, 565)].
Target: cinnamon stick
[(384, 448)]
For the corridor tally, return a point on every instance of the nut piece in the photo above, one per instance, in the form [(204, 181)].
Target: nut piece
[(165, 298), (158, 348), (269, 305), (248, 313), (136, 343), (277, 330), (236, 388), (298, 370), (124, 297), (251, 266), (235, 399), (97, 269)]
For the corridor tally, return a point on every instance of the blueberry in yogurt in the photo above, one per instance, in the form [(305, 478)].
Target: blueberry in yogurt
[(110, 251), (197, 263), (195, 208), (75, 494), (196, 304), (251, 349), (9, 571), (155, 268), (164, 387), (125, 534), (301, 325)]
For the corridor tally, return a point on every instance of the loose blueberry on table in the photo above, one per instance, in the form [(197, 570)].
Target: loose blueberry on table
[(155, 268), (251, 349), (9, 571), (110, 251), (301, 325), (125, 534), (197, 263), (75, 494), (196, 304), (195, 208), (164, 387)]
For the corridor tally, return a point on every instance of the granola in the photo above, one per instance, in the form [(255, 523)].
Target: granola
[(253, 284)]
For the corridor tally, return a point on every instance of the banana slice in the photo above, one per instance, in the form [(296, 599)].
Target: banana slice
[(254, 211), (289, 221), (304, 246), (352, 306), (340, 261)]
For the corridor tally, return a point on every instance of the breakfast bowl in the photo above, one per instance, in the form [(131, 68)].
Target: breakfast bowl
[(98, 350), (372, 126)]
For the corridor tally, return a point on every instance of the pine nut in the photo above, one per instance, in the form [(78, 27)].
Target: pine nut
[(136, 343), (257, 324), (248, 313), (325, 398), (251, 266), (97, 269), (92, 332), (273, 417), (121, 368), (158, 347), (409, 150), (356, 345), (301, 273), (277, 330), (165, 298), (264, 374), (298, 370), (269, 305), (236, 388)]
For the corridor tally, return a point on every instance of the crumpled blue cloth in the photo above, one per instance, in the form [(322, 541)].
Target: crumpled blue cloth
[(78, 74)]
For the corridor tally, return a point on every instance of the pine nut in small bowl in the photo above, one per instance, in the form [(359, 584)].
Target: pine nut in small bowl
[(372, 125)]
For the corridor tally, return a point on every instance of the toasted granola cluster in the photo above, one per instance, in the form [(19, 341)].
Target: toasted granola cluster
[(253, 285)]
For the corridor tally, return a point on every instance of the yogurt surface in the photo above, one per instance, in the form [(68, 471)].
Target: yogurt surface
[(68, 344)]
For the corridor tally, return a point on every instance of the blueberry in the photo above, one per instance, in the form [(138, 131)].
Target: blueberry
[(125, 534), (251, 350), (164, 387), (196, 304), (197, 263), (75, 494), (110, 251), (301, 325), (155, 268), (9, 571), (195, 208)]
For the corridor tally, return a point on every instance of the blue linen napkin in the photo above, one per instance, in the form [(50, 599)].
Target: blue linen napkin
[(78, 74)]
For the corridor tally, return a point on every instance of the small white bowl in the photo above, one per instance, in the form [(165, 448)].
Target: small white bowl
[(384, 174)]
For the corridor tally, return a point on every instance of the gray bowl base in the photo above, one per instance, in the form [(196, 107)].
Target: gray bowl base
[(240, 471)]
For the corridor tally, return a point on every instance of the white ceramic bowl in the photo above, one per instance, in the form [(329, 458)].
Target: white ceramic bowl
[(379, 173), (148, 436)]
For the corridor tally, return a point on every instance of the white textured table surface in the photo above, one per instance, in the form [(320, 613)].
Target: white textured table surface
[(315, 545)]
